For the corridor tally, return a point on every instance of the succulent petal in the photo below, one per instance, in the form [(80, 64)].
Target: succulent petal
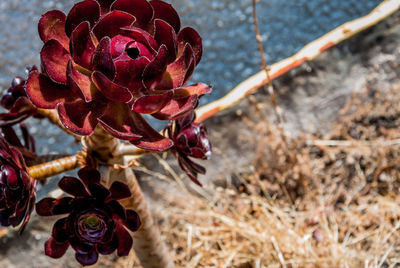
[(165, 34), (87, 258), (82, 46), (119, 190), (55, 249), (124, 240), (111, 90), (140, 9), (46, 94), (72, 186), (79, 117), (51, 206), (190, 36), (166, 12), (55, 59), (110, 24), (177, 107), (87, 10), (52, 26)]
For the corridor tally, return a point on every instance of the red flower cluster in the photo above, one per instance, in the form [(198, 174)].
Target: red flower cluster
[(17, 189), (108, 62), (96, 221), (190, 140)]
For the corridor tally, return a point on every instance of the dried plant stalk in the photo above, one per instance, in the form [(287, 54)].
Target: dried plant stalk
[(148, 245), (52, 168), (264, 66), (307, 53)]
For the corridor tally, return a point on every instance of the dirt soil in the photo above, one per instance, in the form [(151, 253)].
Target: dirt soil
[(325, 196)]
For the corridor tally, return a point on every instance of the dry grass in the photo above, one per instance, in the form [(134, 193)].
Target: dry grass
[(305, 206)]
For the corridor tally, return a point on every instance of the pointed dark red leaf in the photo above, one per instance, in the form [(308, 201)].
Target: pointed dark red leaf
[(102, 60), (82, 46), (141, 9), (153, 142), (46, 94), (128, 73), (166, 12), (119, 190), (185, 164), (89, 175), (121, 126), (165, 34), (124, 240), (80, 117), (55, 60), (118, 45), (190, 35), (59, 232), (29, 141), (117, 209), (154, 71), (180, 71), (109, 89), (177, 108), (141, 36), (51, 206), (150, 104), (110, 25), (132, 220), (11, 136), (194, 166), (196, 89), (87, 10), (81, 84), (87, 258), (52, 26), (72, 186), (80, 246), (99, 191), (132, 126), (55, 249)]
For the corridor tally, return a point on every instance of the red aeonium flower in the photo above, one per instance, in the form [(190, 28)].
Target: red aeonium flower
[(17, 188), (16, 102), (190, 140), (96, 221), (108, 62)]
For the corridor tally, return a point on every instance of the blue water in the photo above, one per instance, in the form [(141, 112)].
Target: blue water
[(230, 49)]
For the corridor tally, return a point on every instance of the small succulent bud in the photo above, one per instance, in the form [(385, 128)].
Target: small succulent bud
[(190, 140), (16, 102)]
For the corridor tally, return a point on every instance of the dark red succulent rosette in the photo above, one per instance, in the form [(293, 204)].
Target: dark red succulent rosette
[(17, 188), (190, 140), (96, 221), (109, 62), (17, 103)]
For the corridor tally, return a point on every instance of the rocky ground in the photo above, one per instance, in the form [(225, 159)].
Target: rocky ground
[(265, 203)]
